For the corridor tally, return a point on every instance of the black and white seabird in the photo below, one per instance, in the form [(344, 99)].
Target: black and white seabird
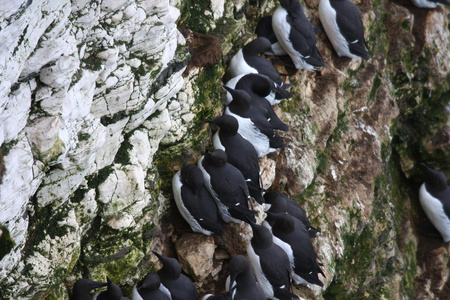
[(178, 284), (247, 60), (253, 125), (430, 3), (149, 289), (228, 187), (194, 201), (276, 95), (434, 196), (113, 292), (342, 23), (241, 281), (305, 265), (296, 35), (83, 287), (270, 264), (258, 88), (264, 29), (240, 153), (280, 203)]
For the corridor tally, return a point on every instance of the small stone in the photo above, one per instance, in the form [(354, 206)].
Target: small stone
[(221, 254), (117, 17), (134, 63), (217, 8), (188, 117), (43, 135), (354, 64), (195, 253), (111, 81), (139, 152), (60, 74), (129, 11), (173, 106), (268, 171), (122, 221), (216, 271)]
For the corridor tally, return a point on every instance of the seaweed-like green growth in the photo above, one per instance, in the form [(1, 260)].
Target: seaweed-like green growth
[(366, 262), (169, 158)]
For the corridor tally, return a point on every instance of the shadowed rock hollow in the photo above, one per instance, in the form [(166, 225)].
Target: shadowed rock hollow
[(101, 102)]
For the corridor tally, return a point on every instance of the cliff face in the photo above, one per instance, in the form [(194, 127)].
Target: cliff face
[(87, 94), (99, 107)]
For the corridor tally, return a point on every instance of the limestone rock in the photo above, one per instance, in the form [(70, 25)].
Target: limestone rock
[(123, 187), (44, 139), (268, 170), (72, 90), (60, 74), (15, 191), (15, 108), (113, 139)]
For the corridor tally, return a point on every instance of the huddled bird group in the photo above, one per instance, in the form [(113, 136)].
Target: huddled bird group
[(226, 184)]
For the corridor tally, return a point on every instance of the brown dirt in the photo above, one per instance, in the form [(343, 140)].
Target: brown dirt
[(205, 49), (430, 253)]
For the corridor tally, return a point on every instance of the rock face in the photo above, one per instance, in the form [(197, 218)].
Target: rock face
[(85, 87), (99, 108)]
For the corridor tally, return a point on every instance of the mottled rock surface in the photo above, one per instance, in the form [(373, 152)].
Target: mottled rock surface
[(84, 93)]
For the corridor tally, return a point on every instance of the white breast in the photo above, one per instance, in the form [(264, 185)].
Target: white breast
[(216, 141), (271, 98), (251, 133), (285, 246), (176, 187), (232, 84), (327, 16), (239, 66), (226, 217), (135, 294), (425, 3), (281, 28), (278, 50), (165, 290), (434, 210), (257, 270), (288, 250)]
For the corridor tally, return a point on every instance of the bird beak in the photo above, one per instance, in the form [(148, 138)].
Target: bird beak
[(270, 215), (250, 221), (228, 89), (157, 254)]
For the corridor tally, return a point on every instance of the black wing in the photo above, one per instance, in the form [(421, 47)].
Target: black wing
[(303, 39), (351, 26)]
